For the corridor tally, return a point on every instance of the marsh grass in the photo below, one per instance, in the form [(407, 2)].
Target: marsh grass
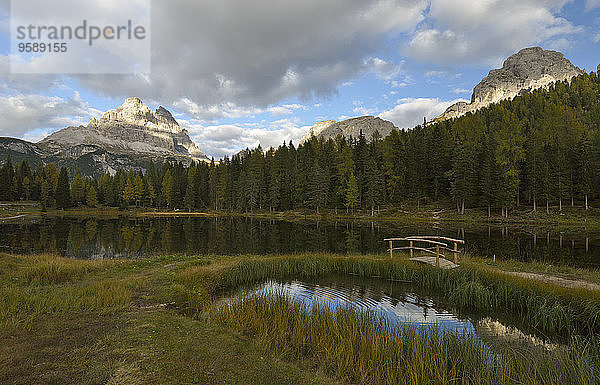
[(550, 309), (366, 349), (41, 285), (46, 269), (22, 306)]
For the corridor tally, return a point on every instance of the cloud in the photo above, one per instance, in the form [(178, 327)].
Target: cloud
[(229, 139), (485, 32), (409, 112), (383, 69), (286, 109), (258, 53), (592, 4), (24, 113), (461, 91)]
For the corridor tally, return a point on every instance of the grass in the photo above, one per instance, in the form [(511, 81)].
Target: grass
[(364, 349), (156, 321), (591, 275)]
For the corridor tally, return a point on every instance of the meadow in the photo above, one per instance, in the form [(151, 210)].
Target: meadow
[(160, 320)]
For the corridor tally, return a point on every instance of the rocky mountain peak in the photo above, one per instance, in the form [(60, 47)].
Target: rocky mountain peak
[(529, 69), (134, 112), (132, 129), (368, 125)]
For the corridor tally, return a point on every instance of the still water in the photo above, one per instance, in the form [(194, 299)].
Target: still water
[(126, 237), (399, 304)]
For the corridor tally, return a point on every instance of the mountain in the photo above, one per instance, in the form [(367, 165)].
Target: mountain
[(527, 70), (131, 129), (128, 137), (350, 128)]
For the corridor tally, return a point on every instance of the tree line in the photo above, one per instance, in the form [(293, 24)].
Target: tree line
[(540, 149)]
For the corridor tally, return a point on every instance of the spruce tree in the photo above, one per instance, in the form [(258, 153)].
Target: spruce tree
[(352, 198), (63, 190)]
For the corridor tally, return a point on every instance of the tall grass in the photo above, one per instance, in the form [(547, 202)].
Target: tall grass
[(365, 349), (548, 308), (38, 286), (22, 306), (47, 269)]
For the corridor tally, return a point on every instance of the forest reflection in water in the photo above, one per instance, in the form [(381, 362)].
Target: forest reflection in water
[(128, 237)]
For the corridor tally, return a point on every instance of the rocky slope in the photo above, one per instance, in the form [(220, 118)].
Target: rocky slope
[(350, 128), (527, 70), (128, 138)]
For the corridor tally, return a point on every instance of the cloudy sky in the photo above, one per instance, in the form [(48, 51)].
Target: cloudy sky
[(236, 73)]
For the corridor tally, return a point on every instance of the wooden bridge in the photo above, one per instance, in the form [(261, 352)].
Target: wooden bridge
[(429, 244)]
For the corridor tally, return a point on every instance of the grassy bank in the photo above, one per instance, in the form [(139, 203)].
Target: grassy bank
[(156, 321)]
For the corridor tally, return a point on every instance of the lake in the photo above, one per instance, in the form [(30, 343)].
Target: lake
[(128, 237)]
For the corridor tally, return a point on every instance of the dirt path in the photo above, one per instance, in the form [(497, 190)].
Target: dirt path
[(570, 283)]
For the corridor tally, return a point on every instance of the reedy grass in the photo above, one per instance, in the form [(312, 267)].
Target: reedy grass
[(46, 269), (366, 349), (22, 306), (550, 309), (40, 285)]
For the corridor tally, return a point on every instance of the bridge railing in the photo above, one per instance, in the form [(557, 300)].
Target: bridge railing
[(431, 244)]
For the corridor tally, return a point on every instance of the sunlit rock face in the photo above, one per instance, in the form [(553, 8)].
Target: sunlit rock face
[(131, 129), (527, 70), (350, 128)]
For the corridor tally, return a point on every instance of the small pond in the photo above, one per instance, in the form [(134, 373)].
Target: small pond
[(400, 304)]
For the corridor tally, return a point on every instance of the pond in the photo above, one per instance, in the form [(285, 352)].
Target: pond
[(400, 304), (128, 237)]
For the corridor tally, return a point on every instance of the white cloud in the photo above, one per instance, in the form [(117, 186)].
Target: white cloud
[(592, 4), (23, 113), (461, 91), (485, 32), (409, 112), (216, 111), (362, 110), (229, 139), (383, 69), (286, 109)]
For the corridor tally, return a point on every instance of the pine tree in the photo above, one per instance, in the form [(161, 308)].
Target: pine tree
[(91, 198), (45, 194), (191, 192), (167, 189), (318, 187), (26, 186), (6, 180), (138, 190), (352, 193), (128, 192), (63, 191), (78, 190)]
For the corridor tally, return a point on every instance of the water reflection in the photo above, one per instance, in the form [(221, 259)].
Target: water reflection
[(139, 237), (402, 308), (400, 305)]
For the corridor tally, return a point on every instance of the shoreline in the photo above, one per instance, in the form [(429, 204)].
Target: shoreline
[(570, 218)]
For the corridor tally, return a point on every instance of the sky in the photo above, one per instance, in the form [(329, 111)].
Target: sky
[(238, 73)]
